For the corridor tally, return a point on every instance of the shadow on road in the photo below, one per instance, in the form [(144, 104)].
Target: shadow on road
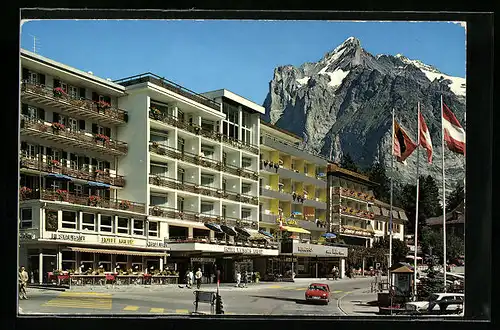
[(368, 303), (296, 300)]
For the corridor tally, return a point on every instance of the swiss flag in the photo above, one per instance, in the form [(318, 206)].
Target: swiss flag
[(454, 134), (403, 144), (425, 137)]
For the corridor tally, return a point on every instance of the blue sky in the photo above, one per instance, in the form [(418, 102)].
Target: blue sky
[(236, 55)]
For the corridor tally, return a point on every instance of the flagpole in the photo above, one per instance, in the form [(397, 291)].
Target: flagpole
[(390, 216), (416, 208), (444, 197)]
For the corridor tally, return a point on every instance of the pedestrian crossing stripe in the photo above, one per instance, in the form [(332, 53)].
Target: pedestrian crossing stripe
[(131, 308), (89, 300), (337, 291), (157, 310), (181, 311), (275, 287)]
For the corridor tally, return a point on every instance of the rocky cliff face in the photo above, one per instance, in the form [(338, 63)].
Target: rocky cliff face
[(343, 104)]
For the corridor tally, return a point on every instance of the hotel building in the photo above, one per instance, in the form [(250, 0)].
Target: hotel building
[(72, 210)]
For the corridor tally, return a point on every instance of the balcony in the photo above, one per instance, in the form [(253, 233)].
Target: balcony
[(351, 193), (171, 86), (292, 149), (352, 212), (269, 244), (195, 159), (357, 231), (171, 213), (82, 174), (290, 174), (95, 142), (81, 199), (45, 95), (198, 130), (269, 218), (270, 193), (163, 181)]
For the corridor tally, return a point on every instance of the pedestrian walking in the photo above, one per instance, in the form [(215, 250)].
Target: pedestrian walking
[(238, 278), (245, 279), (23, 280), (198, 277)]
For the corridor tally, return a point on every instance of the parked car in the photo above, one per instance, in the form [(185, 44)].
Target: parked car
[(318, 292), (433, 304)]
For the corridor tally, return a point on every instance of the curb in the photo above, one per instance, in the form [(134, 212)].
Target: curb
[(340, 299)]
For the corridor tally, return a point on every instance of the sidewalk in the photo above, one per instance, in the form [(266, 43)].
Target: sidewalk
[(360, 302)]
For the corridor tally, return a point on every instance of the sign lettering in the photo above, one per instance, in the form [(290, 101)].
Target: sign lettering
[(304, 249), (156, 244), (208, 260), (112, 240), (319, 250), (243, 250), (68, 237)]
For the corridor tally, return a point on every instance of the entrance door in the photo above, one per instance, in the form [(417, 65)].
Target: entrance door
[(33, 268), (49, 265)]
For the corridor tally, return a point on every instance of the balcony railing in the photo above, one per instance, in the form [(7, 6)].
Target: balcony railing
[(349, 211), (195, 129), (81, 199), (100, 143), (353, 230), (167, 84), (167, 212), (269, 244), (291, 174), (192, 158), (74, 105), (353, 194), (164, 181), (82, 173)]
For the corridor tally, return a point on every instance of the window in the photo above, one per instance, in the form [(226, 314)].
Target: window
[(207, 179), (246, 162), (246, 188), (180, 144), (73, 92), (68, 260), (64, 87), (163, 140), (245, 120), (122, 226), (207, 151), (30, 151), (153, 228), (78, 189), (207, 207), (34, 78), (69, 219), (159, 200), (207, 124), (51, 220), (138, 227), (73, 125), (26, 218), (180, 204), (159, 169), (306, 168), (106, 224), (246, 135), (88, 222), (246, 213), (230, 125)]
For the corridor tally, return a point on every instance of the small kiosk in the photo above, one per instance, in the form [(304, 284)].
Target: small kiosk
[(399, 291)]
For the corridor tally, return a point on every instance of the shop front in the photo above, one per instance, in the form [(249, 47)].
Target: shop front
[(212, 257), (85, 253), (311, 260)]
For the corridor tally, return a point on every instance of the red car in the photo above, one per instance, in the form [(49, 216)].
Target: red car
[(318, 292)]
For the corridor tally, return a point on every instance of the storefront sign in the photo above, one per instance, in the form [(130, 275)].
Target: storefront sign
[(244, 250), (207, 260), (156, 244), (27, 235), (112, 240), (319, 250), (68, 237)]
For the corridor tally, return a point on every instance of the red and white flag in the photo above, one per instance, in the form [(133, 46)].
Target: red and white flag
[(403, 144), (425, 137), (454, 134)]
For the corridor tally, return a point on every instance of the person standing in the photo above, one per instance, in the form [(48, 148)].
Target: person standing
[(238, 278), (198, 277), (190, 278), (23, 280), (245, 279)]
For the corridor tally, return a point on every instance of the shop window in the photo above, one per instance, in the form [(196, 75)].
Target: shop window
[(68, 261), (123, 226), (153, 229), (104, 261), (137, 263), (246, 213), (26, 218), (138, 228), (106, 224), (246, 162), (88, 221), (86, 261), (51, 221), (121, 262)]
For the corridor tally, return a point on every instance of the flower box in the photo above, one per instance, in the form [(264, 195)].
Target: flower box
[(25, 191), (58, 126), (59, 92), (61, 194), (94, 200), (99, 172), (155, 113), (102, 137), (102, 105), (124, 205)]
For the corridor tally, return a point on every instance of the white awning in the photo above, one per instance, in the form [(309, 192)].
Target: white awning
[(120, 252)]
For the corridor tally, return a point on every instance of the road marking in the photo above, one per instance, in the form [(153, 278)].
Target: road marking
[(181, 311), (131, 308), (81, 300), (157, 310), (275, 287), (301, 289), (229, 313), (337, 291), (347, 292)]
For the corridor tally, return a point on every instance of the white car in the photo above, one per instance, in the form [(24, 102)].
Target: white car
[(420, 306)]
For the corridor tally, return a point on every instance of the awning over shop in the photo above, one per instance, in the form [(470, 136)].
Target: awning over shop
[(256, 235), (295, 230), (119, 252), (98, 184)]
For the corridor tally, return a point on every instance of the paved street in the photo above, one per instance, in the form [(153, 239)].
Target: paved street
[(258, 299)]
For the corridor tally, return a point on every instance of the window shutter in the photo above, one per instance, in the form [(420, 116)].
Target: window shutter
[(94, 128), (95, 97), (64, 155), (42, 79), (55, 117), (107, 131), (41, 114), (94, 162), (57, 83), (26, 74), (82, 92), (81, 124), (24, 109)]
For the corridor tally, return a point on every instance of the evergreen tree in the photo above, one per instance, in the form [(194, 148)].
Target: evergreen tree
[(348, 163), (378, 175), (455, 198), (399, 248)]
